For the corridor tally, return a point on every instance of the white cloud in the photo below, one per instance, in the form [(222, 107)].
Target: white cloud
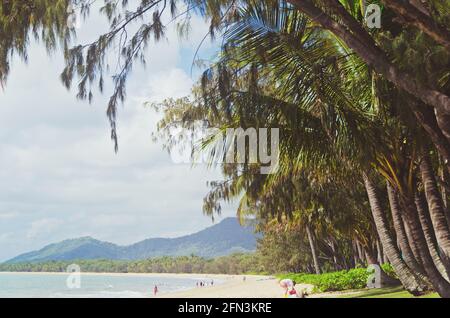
[(42, 227), (59, 175), (8, 215), (174, 83)]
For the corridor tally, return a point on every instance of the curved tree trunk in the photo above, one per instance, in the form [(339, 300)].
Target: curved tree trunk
[(443, 121), (357, 259), (446, 190), (435, 206), (337, 266), (312, 244), (384, 258), (354, 35), (361, 254), (414, 15), (441, 286), (427, 228), (402, 240), (412, 243), (428, 121), (379, 252), (406, 276)]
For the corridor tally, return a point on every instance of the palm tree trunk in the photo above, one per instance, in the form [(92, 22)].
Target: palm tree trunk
[(384, 258), (360, 252), (406, 276), (427, 227), (313, 249), (355, 253), (402, 238), (445, 191), (420, 20), (379, 252), (412, 243), (427, 119), (443, 121), (334, 252), (435, 206), (441, 286)]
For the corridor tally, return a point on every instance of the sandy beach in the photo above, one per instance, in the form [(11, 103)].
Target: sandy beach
[(234, 286), (226, 286)]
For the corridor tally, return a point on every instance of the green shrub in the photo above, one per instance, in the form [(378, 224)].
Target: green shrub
[(352, 279), (389, 270)]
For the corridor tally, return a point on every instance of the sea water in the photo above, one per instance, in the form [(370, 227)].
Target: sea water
[(55, 285)]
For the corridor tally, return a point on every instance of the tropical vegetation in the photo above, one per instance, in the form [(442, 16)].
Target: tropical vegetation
[(235, 264), (363, 115), (232, 264)]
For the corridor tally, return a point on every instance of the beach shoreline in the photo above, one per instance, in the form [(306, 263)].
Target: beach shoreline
[(166, 275), (225, 286), (235, 286)]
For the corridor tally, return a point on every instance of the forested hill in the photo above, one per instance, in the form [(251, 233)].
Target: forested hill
[(224, 238)]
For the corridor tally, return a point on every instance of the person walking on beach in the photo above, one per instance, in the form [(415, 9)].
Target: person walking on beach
[(155, 290), (212, 282)]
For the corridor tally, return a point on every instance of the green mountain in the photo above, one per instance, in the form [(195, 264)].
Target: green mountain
[(224, 238)]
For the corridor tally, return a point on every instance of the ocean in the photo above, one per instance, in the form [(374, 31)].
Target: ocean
[(60, 285)]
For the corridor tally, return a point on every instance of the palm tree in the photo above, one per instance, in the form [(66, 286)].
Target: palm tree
[(428, 231), (403, 242), (435, 206), (406, 276), (307, 83), (280, 68), (351, 32)]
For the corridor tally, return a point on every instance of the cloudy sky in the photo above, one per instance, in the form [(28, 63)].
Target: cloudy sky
[(59, 175)]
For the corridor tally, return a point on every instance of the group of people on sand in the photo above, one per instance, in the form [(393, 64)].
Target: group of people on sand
[(205, 284), (290, 291), (287, 284)]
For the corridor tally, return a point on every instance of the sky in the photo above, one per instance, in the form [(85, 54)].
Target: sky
[(59, 175)]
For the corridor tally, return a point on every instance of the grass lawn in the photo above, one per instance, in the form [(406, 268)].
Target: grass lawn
[(390, 292)]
